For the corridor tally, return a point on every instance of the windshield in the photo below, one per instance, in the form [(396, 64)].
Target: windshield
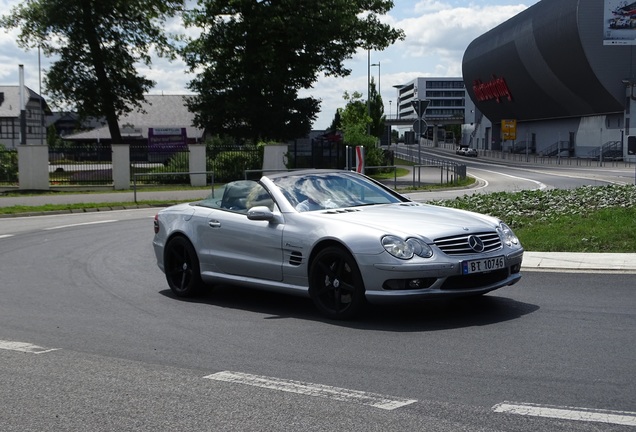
[(319, 191)]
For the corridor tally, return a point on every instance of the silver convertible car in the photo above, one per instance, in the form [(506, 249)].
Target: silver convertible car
[(338, 237)]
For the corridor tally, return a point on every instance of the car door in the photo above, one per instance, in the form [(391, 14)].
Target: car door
[(232, 244)]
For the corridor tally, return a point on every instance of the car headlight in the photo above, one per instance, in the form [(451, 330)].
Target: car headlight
[(507, 236), (420, 248), (406, 249)]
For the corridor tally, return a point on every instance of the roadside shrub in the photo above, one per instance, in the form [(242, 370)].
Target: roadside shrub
[(231, 165), (8, 165), (538, 207), (178, 162)]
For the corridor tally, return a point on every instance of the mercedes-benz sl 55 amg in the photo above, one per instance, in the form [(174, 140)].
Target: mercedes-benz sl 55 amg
[(338, 237)]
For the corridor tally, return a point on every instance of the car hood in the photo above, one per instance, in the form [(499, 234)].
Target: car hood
[(408, 219)]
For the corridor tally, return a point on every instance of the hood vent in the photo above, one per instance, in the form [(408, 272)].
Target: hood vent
[(295, 258), (342, 210)]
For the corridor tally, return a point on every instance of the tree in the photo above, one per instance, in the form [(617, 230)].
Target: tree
[(376, 111), (355, 121), (254, 56), (336, 123), (98, 44)]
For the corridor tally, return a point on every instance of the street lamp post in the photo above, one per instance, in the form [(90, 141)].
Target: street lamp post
[(379, 77), (369, 77), (420, 114), (42, 129), (369, 89), (389, 128)]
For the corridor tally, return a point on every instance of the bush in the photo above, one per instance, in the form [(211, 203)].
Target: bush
[(178, 162), (8, 165), (231, 165)]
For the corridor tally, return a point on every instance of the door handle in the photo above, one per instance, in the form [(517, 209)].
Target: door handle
[(214, 224)]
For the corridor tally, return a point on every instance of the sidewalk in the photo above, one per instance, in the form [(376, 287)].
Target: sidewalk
[(580, 262), (104, 198)]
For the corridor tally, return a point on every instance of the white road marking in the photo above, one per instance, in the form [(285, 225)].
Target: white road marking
[(568, 413), (24, 347), (309, 389), (540, 186), (6, 236), (79, 224)]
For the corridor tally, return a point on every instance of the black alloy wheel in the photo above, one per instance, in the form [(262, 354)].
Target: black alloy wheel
[(335, 283), (181, 266)]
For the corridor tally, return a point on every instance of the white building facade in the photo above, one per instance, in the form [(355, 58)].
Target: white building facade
[(444, 100)]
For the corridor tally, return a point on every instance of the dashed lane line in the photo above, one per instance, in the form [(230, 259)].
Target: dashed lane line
[(24, 347), (80, 224), (317, 390), (625, 418)]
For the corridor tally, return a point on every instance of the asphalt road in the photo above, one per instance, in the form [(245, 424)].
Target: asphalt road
[(113, 350), (517, 173), (92, 339)]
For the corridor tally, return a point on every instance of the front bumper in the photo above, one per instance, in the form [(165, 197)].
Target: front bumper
[(394, 283)]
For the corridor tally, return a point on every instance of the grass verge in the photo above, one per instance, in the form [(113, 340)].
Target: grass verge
[(586, 219)]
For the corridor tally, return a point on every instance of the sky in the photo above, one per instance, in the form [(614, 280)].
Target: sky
[(437, 34)]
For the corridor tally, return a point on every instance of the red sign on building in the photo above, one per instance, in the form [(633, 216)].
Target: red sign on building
[(495, 89)]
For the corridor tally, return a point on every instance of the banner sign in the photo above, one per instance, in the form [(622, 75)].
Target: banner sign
[(161, 139), (619, 22)]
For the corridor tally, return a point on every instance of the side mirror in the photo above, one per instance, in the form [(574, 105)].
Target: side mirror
[(260, 213)]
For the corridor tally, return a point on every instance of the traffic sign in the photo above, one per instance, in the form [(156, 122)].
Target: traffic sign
[(420, 105), (509, 129), (419, 124)]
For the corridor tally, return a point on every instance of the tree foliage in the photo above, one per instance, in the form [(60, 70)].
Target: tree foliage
[(98, 44), (254, 56), (376, 112), (355, 122)]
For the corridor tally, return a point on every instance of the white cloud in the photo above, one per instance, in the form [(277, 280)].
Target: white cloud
[(437, 34), (430, 6)]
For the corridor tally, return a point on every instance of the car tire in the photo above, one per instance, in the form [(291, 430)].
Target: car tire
[(335, 283), (181, 266)]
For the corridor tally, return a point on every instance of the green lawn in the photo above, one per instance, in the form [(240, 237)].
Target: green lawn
[(587, 219)]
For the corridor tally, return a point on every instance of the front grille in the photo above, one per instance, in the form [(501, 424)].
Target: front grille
[(459, 245)]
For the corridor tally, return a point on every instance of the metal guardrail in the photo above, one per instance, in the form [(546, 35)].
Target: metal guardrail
[(246, 172), (169, 173), (554, 160), (453, 171), (393, 167)]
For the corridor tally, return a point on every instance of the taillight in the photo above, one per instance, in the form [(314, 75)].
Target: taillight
[(156, 224)]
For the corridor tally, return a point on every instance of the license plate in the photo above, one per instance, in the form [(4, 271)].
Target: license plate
[(483, 265)]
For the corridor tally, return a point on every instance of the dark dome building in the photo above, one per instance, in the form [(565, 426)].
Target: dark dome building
[(563, 71)]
